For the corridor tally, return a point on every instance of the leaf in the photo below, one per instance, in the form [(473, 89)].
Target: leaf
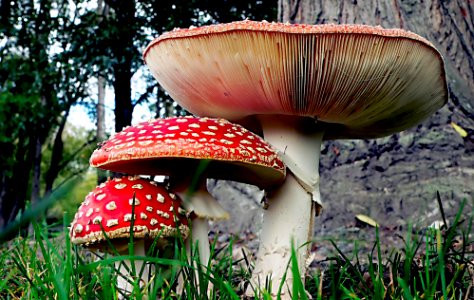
[(366, 220), (459, 129)]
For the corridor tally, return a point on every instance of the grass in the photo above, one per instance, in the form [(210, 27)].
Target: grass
[(437, 264)]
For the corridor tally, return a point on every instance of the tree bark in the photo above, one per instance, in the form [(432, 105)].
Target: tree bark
[(447, 24), (55, 165), (123, 50)]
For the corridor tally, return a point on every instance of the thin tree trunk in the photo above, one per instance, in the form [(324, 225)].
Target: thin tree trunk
[(36, 176), (101, 135), (123, 52), (56, 156)]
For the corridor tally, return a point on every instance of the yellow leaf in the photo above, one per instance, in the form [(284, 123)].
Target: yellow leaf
[(459, 129), (367, 220)]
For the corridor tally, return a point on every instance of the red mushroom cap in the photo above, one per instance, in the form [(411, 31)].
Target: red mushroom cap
[(157, 212), (359, 81), (175, 146)]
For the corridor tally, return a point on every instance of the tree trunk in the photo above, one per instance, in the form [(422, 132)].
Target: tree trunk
[(15, 189), (56, 162), (394, 180), (101, 135), (123, 52), (36, 172)]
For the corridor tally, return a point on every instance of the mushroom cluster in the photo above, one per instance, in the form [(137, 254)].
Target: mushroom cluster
[(300, 84), (178, 147), (119, 207)]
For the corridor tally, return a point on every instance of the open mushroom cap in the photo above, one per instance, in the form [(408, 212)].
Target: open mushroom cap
[(176, 146), (108, 209), (359, 81)]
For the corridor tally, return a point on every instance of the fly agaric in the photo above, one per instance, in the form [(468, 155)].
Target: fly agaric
[(302, 83), (157, 213), (176, 147)]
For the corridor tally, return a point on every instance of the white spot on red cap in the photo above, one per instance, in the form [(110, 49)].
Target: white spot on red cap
[(226, 142), (229, 135), (212, 127), (111, 205), (173, 128), (208, 133), (128, 217), (160, 198), (194, 125), (112, 222), (149, 208), (120, 186), (79, 228), (148, 196), (143, 216), (89, 212), (131, 201), (145, 143), (137, 186), (163, 214), (97, 220), (153, 221)]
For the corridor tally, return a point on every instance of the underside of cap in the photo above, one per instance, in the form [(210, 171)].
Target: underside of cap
[(358, 81)]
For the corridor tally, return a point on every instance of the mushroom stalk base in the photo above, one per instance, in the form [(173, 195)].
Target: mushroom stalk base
[(124, 271), (288, 221), (203, 206)]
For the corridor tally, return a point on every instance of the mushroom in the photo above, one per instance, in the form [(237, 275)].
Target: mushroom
[(109, 210), (303, 84), (178, 146)]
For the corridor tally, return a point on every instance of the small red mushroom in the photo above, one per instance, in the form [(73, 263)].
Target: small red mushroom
[(177, 146), (107, 211)]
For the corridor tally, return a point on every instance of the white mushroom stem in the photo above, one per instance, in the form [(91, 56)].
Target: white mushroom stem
[(289, 217), (124, 269), (203, 207)]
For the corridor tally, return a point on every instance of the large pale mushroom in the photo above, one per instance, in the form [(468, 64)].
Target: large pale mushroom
[(107, 213), (302, 83), (178, 146)]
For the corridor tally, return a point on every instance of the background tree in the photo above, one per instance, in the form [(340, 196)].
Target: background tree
[(41, 78), (397, 177), (51, 49)]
